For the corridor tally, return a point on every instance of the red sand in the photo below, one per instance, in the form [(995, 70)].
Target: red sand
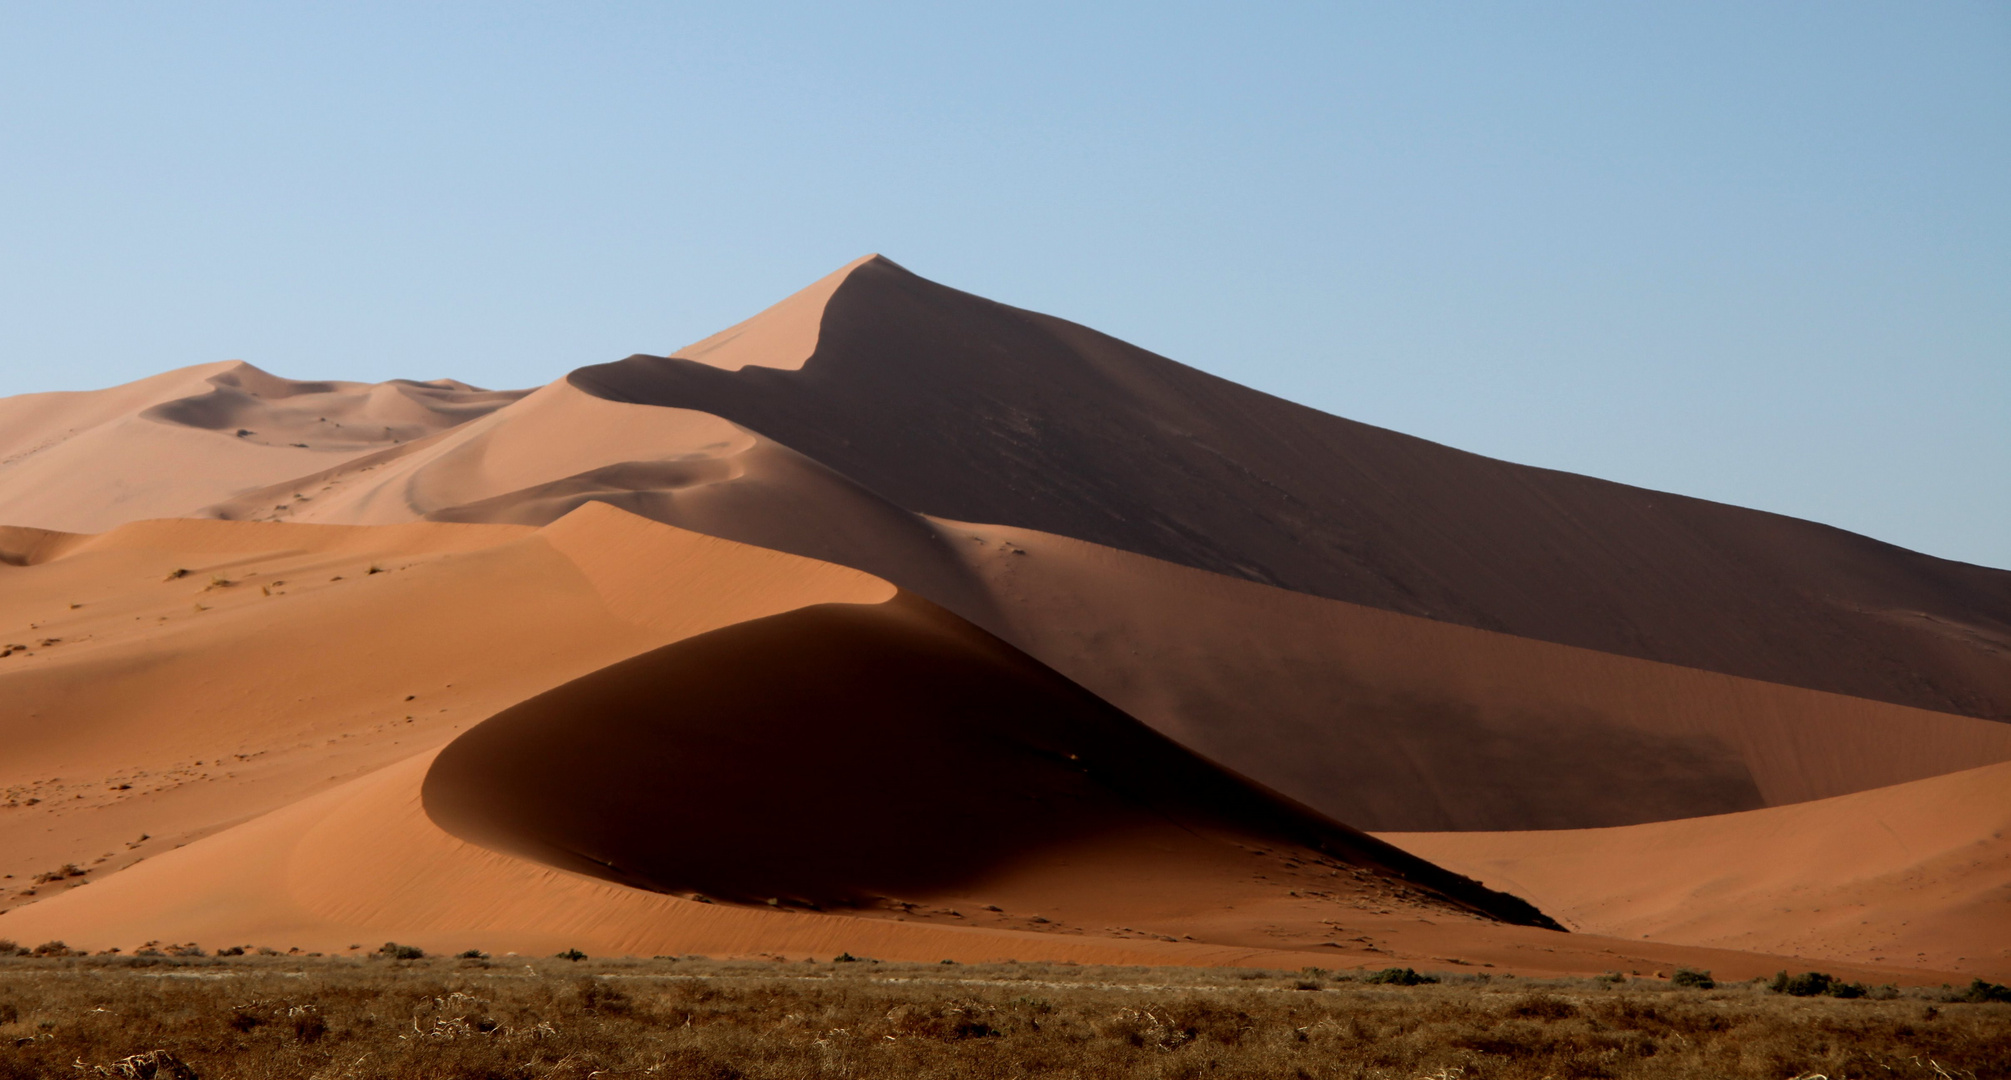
[(533, 671)]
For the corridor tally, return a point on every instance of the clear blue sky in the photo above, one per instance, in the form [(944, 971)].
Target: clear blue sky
[(1756, 252)]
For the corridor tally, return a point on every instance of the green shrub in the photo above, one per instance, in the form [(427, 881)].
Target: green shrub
[(572, 954), (1690, 977), (402, 952), (1986, 991)]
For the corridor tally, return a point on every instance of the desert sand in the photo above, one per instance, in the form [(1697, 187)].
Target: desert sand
[(1913, 873), (900, 622)]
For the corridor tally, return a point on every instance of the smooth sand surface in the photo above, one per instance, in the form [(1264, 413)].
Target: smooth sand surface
[(1390, 721), (951, 405), (168, 445), (170, 706), (1913, 873)]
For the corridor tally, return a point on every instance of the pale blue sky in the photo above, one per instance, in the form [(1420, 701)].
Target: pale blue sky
[(1753, 252)]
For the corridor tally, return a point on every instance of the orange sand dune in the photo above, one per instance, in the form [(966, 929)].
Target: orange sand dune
[(1390, 721), (955, 406), (1916, 873), (1380, 719), (363, 863), (937, 793), (165, 705), (168, 445), (538, 459)]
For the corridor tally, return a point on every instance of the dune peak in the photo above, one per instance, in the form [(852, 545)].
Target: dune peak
[(782, 336)]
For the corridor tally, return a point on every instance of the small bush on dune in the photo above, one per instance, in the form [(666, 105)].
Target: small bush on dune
[(1696, 980), (402, 952)]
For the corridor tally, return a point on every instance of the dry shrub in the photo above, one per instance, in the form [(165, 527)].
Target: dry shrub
[(265, 1016)]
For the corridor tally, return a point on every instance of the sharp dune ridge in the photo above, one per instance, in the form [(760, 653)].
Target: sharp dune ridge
[(897, 621)]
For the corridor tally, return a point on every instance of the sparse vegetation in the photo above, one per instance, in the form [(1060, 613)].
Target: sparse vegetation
[(401, 952), (220, 1018), (1817, 984), (1690, 977)]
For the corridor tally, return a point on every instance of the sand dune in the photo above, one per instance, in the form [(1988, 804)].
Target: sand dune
[(168, 445), (703, 653), (363, 863), (951, 405), (806, 735), (1390, 721), (840, 756), (151, 703), (1916, 873)]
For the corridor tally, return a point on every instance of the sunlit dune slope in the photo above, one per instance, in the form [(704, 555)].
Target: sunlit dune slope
[(840, 756), (181, 676), (557, 449), (168, 445), (955, 406), (1916, 873)]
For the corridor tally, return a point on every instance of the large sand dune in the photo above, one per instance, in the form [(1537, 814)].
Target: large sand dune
[(958, 407), (958, 631), (1914, 873)]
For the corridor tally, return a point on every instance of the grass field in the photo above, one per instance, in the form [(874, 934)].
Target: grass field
[(441, 1018)]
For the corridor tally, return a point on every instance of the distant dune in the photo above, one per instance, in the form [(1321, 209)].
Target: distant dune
[(896, 621)]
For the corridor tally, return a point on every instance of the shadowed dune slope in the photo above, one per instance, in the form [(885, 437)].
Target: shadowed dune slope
[(958, 407), (1916, 873), (837, 756), (167, 445), (1389, 721)]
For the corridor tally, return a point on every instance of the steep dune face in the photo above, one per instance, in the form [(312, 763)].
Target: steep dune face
[(1915, 873), (1390, 721), (168, 445), (843, 756), (957, 407)]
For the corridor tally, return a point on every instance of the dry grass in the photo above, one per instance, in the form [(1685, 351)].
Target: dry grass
[(438, 1018)]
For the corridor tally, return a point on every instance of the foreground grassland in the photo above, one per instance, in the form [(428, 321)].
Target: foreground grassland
[(510, 1017)]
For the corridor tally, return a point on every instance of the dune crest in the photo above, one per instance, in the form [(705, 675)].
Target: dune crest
[(954, 406), (782, 337)]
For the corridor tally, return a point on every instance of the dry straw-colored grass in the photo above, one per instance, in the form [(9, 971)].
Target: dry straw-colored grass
[(510, 1017)]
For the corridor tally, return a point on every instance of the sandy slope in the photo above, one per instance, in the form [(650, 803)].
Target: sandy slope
[(1390, 721), (363, 863), (167, 445), (951, 405), (173, 705), (1914, 873), (874, 756)]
